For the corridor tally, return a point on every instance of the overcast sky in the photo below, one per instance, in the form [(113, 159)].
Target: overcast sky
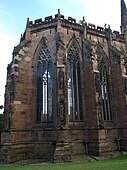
[(14, 13)]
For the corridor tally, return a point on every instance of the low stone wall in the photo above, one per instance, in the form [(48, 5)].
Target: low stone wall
[(55, 145)]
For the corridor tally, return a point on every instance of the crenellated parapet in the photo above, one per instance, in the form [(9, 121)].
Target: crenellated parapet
[(48, 21), (104, 32), (71, 23), (66, 92)]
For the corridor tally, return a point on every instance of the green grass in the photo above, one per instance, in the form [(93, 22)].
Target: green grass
[(119, 163)]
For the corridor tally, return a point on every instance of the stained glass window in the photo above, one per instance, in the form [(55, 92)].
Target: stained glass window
[(105, 94), (74, 84), (44, 85)]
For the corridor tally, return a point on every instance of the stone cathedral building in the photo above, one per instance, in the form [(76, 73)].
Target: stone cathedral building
[(66, 91)]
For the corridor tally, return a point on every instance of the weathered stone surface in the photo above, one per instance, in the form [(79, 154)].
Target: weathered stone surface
[(63, 139)]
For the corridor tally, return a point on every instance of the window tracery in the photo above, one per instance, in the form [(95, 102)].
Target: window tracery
[(44, 85), (105, 94), (74, 84)]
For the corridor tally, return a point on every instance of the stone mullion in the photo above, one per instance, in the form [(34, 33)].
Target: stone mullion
[(42, 93), (66, 94), (101, 89), (108, 101), (47, 116), (73, 95), (104, 105), (71, 67), (77, 84)]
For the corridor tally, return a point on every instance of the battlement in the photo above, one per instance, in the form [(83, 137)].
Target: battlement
[(39, 22), (52, 21), (104, 32), (71, 23)]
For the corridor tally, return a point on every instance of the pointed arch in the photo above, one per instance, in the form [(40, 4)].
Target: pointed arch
[(44, 83), (101, 55), (74, 80), (103, 67), (73, 42), (43, 42)]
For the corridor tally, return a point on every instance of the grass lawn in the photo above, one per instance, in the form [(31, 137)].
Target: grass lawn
[(119, 163)]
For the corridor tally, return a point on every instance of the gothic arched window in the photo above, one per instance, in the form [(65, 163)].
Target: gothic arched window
[(74, 84), (44, 85), (104, 90)]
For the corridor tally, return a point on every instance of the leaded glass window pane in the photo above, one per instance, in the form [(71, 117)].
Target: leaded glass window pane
[(50, 93), (44, 85), (74, 85), (105, 95), (70, 94), (39, 91)]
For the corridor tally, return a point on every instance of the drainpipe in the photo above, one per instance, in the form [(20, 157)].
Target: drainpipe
[(86, 146), (53, 143), (118, 143)]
